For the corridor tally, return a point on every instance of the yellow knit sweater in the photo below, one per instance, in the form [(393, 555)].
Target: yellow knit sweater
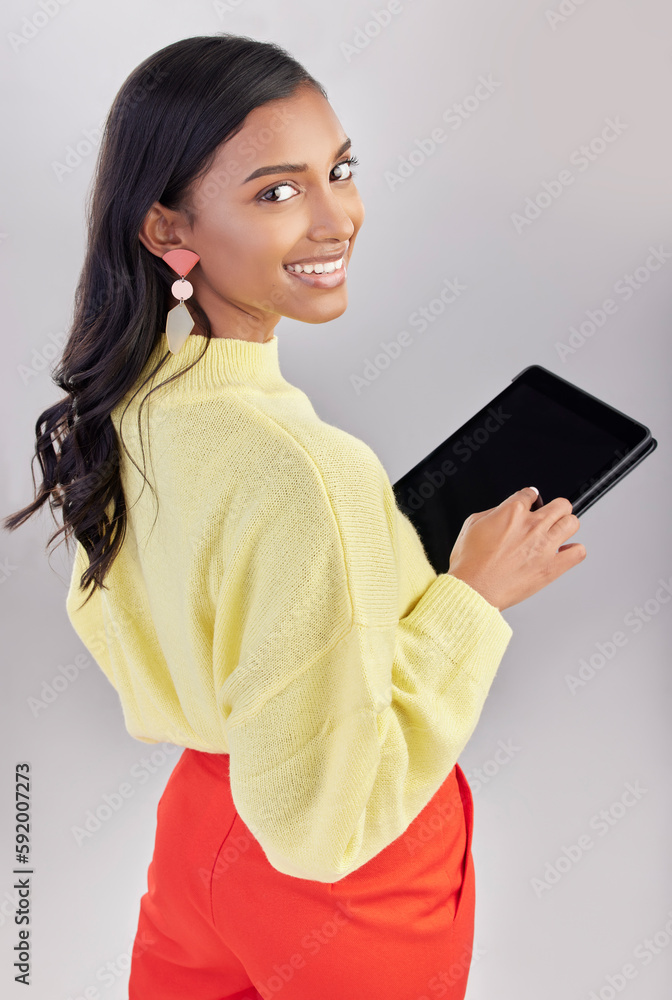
[(270, 601)]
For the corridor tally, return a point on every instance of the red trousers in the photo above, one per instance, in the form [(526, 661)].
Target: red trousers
[(218, 922)]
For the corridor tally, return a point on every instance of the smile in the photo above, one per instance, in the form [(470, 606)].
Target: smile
[(330, 274), (326, 268)]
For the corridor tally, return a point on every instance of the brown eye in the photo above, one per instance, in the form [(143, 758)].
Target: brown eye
[(275, 201), (346, 163), (349, 163)]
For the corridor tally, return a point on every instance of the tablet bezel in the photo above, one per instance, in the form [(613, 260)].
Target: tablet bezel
[(583, 403), (636, 436)]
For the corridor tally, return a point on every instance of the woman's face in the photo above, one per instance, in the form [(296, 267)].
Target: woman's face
[(278, 193)]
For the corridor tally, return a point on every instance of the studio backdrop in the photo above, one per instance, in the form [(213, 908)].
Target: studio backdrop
[(516, 169)]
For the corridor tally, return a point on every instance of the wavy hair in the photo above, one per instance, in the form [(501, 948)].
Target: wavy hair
[(161, 134)]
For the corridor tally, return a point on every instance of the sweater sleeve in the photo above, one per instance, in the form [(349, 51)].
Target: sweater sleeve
[(343, 717), (89, 618)]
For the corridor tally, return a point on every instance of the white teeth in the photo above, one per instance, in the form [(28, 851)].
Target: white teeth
[(327, 268)]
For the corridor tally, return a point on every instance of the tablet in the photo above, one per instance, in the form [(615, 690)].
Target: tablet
[(540, 431)]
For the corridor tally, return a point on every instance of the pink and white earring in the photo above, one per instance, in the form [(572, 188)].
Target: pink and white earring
[(179, 322)]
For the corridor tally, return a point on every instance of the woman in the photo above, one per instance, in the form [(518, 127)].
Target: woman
[(264, 604)]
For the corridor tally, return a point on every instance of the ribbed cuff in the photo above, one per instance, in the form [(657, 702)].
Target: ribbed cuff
[(470, 631)]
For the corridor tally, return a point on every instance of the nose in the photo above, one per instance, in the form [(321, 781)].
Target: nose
[(330, 218)]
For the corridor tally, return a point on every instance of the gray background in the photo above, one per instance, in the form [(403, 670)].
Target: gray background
[(554, 84)]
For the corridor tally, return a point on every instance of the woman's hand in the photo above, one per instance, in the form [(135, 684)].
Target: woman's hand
[(509, 552)]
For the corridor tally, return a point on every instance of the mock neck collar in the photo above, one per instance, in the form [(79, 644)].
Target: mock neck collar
[(227, 361)]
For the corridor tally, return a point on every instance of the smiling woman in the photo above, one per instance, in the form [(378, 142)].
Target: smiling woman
[(274, 613), (251, 237)]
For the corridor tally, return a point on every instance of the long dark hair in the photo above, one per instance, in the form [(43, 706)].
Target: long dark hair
[(161, 134)]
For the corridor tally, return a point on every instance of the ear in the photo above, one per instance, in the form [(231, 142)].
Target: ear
[(159, 229)]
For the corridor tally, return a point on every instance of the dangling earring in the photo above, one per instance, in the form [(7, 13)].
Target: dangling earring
[(179, 322)]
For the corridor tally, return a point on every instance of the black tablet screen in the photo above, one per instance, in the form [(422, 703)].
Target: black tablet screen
[(524, 438)]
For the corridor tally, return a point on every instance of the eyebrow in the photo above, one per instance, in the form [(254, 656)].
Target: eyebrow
[(291, 168)]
